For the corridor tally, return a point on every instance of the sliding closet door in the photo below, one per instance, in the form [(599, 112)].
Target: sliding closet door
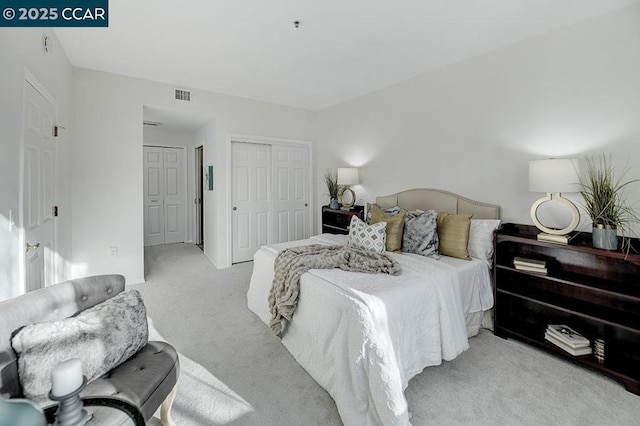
[(165, 209), (251, 198), (291, 193)]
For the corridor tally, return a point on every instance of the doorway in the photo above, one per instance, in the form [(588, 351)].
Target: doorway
[(199, 201)]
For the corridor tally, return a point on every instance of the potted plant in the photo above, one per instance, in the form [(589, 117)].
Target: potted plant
[(331, 181), (605, 198)]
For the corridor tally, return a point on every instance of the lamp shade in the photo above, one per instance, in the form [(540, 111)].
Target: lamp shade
[(554, 175), (348, 176)]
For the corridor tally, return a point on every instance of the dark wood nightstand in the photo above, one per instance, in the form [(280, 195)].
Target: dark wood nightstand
[(595, 292), (337, 221)]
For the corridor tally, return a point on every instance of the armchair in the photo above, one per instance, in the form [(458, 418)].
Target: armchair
[(147, 380)]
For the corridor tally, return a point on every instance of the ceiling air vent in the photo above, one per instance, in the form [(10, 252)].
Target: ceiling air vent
[(183, 95)]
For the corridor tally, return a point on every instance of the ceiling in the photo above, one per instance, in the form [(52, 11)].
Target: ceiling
[(343, 48)]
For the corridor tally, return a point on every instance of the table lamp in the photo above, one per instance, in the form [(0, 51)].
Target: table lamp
[(554, 176), (348, 176)]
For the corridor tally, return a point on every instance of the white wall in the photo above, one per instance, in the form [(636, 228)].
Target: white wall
[(20, 49), (107, 164), (471, 128)]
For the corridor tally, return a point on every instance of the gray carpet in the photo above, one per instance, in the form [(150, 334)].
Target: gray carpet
[(235, 372)]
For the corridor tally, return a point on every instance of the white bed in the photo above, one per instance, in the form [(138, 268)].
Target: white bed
[(362, 337)]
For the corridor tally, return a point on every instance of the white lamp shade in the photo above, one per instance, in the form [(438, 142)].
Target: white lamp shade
[(554, 175), (348, 176)]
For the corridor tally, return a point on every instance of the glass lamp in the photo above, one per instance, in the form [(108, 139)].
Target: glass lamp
[(348, 176), (554, 176)]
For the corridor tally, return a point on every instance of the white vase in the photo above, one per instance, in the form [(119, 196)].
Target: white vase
[(604, 237)]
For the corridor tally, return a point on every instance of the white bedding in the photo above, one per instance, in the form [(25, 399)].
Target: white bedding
[(362, 337)]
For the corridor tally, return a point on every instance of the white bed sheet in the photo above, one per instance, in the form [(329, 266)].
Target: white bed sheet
[(364, 336)]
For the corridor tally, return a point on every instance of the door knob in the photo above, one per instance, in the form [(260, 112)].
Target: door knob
[(31, 246), (235, 208), (305, 204)]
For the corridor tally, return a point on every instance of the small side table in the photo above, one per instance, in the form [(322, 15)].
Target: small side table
[(336, 221)]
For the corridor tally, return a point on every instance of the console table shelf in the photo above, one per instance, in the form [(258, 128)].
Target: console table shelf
[(596, 292)]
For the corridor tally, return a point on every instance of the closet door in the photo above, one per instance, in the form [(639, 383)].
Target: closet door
[(175, 206), (251, 199), (291, 193), (165, 209), (153, 196)]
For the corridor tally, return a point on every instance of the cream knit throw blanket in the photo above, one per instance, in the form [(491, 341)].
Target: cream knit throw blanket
[(291, 263)]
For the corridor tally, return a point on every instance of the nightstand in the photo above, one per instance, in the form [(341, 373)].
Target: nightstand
[(336, 221), (595, 292)]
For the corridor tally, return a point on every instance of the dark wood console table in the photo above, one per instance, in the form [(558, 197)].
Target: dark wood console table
[(596, 292), (336, 221)]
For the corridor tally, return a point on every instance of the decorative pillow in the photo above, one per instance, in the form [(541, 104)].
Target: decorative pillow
[(481, 238), (395, 226), (102, 337), (391, 211), (453, 233), (367, 237), (421, 233)]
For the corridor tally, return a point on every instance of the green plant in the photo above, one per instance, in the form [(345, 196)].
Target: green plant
[(605, 196), (331, 181)]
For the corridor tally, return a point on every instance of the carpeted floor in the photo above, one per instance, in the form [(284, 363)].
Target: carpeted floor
[(235, 372)]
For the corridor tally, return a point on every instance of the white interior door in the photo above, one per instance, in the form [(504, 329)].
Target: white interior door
[(290, 193), (153, 196), (38, 186), (165, 205), (175, 206), (251, 198)]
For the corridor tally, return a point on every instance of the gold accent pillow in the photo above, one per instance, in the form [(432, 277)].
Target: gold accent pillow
[(453, 233), (395, 226)]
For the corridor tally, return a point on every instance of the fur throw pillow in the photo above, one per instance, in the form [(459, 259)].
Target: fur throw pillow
[(421, 234), (102, 337)]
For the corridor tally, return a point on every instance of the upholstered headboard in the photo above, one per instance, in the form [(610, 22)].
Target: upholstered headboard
[(440, 201)]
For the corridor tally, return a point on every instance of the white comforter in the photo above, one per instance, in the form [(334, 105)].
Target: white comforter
[(362, 337)]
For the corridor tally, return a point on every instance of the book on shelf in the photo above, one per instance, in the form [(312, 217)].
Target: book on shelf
[(533, 263), (567, 335), (534, 269), (556, 239), (551, 338)]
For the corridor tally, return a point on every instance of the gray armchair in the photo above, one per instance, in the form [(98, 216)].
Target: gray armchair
[(147, 380)]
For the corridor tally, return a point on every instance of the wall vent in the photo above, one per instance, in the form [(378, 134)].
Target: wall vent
[(183, 95)]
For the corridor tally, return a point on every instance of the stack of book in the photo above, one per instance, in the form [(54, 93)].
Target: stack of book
[(530, 265), (568, 339)]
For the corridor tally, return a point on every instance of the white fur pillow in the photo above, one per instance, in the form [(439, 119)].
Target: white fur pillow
[(102, 337), (421, 233)]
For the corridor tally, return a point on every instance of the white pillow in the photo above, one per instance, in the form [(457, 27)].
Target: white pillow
[(367, 237), (481, 239)]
